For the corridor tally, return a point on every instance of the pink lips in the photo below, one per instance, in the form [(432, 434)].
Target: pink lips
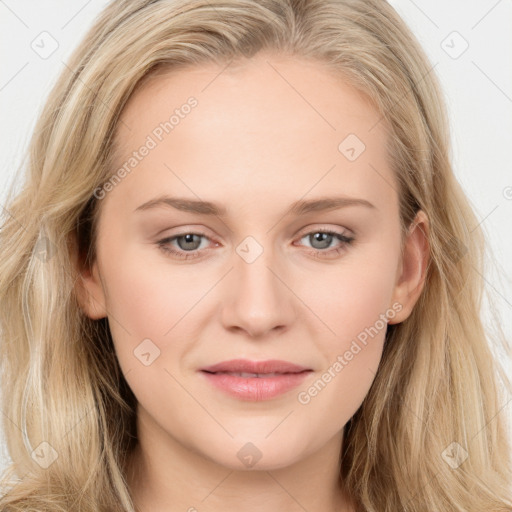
[(255, 380)]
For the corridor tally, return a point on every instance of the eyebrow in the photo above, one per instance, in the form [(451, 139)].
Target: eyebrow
[(297, 208)]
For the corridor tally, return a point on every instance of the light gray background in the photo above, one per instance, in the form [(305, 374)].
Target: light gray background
[(477, 83)]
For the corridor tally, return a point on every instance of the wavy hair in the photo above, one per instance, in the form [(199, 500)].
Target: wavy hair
[(430, 434)]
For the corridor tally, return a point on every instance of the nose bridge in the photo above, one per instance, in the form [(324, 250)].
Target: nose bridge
[(259, 300)]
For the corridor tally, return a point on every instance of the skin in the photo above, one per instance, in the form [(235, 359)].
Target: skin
[(265, 133)]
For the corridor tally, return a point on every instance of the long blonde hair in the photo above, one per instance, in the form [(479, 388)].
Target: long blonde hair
[(430, 434)]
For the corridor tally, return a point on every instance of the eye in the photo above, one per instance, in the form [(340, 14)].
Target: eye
[(186, 242), (322, 239)]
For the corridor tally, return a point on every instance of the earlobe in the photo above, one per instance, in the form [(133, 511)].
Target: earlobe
[(90, 294), (412, 270)]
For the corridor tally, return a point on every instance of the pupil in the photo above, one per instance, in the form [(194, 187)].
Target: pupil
[(189, 239), (324, 238)]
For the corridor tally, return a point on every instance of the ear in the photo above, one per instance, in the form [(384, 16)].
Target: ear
[(90, 292), (412, 268)]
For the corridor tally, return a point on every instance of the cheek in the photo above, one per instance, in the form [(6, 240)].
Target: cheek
[(355, 309), (353, 300), (148, 302), (353, 295)]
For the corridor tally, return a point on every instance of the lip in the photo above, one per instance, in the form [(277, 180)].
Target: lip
[(282, 377), (248, 366)]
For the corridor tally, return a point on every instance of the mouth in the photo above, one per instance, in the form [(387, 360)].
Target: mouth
[(255, 380), (270, 366), (247, 375)]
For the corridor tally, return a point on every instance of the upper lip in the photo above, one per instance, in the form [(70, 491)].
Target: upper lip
[(247, 366)]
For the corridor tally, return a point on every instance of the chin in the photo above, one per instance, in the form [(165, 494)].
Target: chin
[(254, 455)]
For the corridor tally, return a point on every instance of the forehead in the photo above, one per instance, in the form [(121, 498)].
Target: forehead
[(267, 127)]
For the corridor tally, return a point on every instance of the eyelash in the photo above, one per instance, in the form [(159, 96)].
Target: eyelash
[(185, 255)]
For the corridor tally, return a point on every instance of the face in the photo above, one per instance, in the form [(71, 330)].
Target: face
[(267, 271)]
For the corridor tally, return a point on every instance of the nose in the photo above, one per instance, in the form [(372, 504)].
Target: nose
[(257, 297)]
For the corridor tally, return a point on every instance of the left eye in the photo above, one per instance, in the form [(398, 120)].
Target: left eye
[(189, 241), (324, 238), (188, 244)]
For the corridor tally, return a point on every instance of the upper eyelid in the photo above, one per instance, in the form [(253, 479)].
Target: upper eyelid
[(344, 231)]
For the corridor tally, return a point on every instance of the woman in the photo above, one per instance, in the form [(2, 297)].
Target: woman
[(239, 275)]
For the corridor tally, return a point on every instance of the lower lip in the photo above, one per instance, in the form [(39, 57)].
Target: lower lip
[(256, 388)]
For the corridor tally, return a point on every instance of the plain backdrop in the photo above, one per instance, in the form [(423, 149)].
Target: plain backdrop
[(469, 42)]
